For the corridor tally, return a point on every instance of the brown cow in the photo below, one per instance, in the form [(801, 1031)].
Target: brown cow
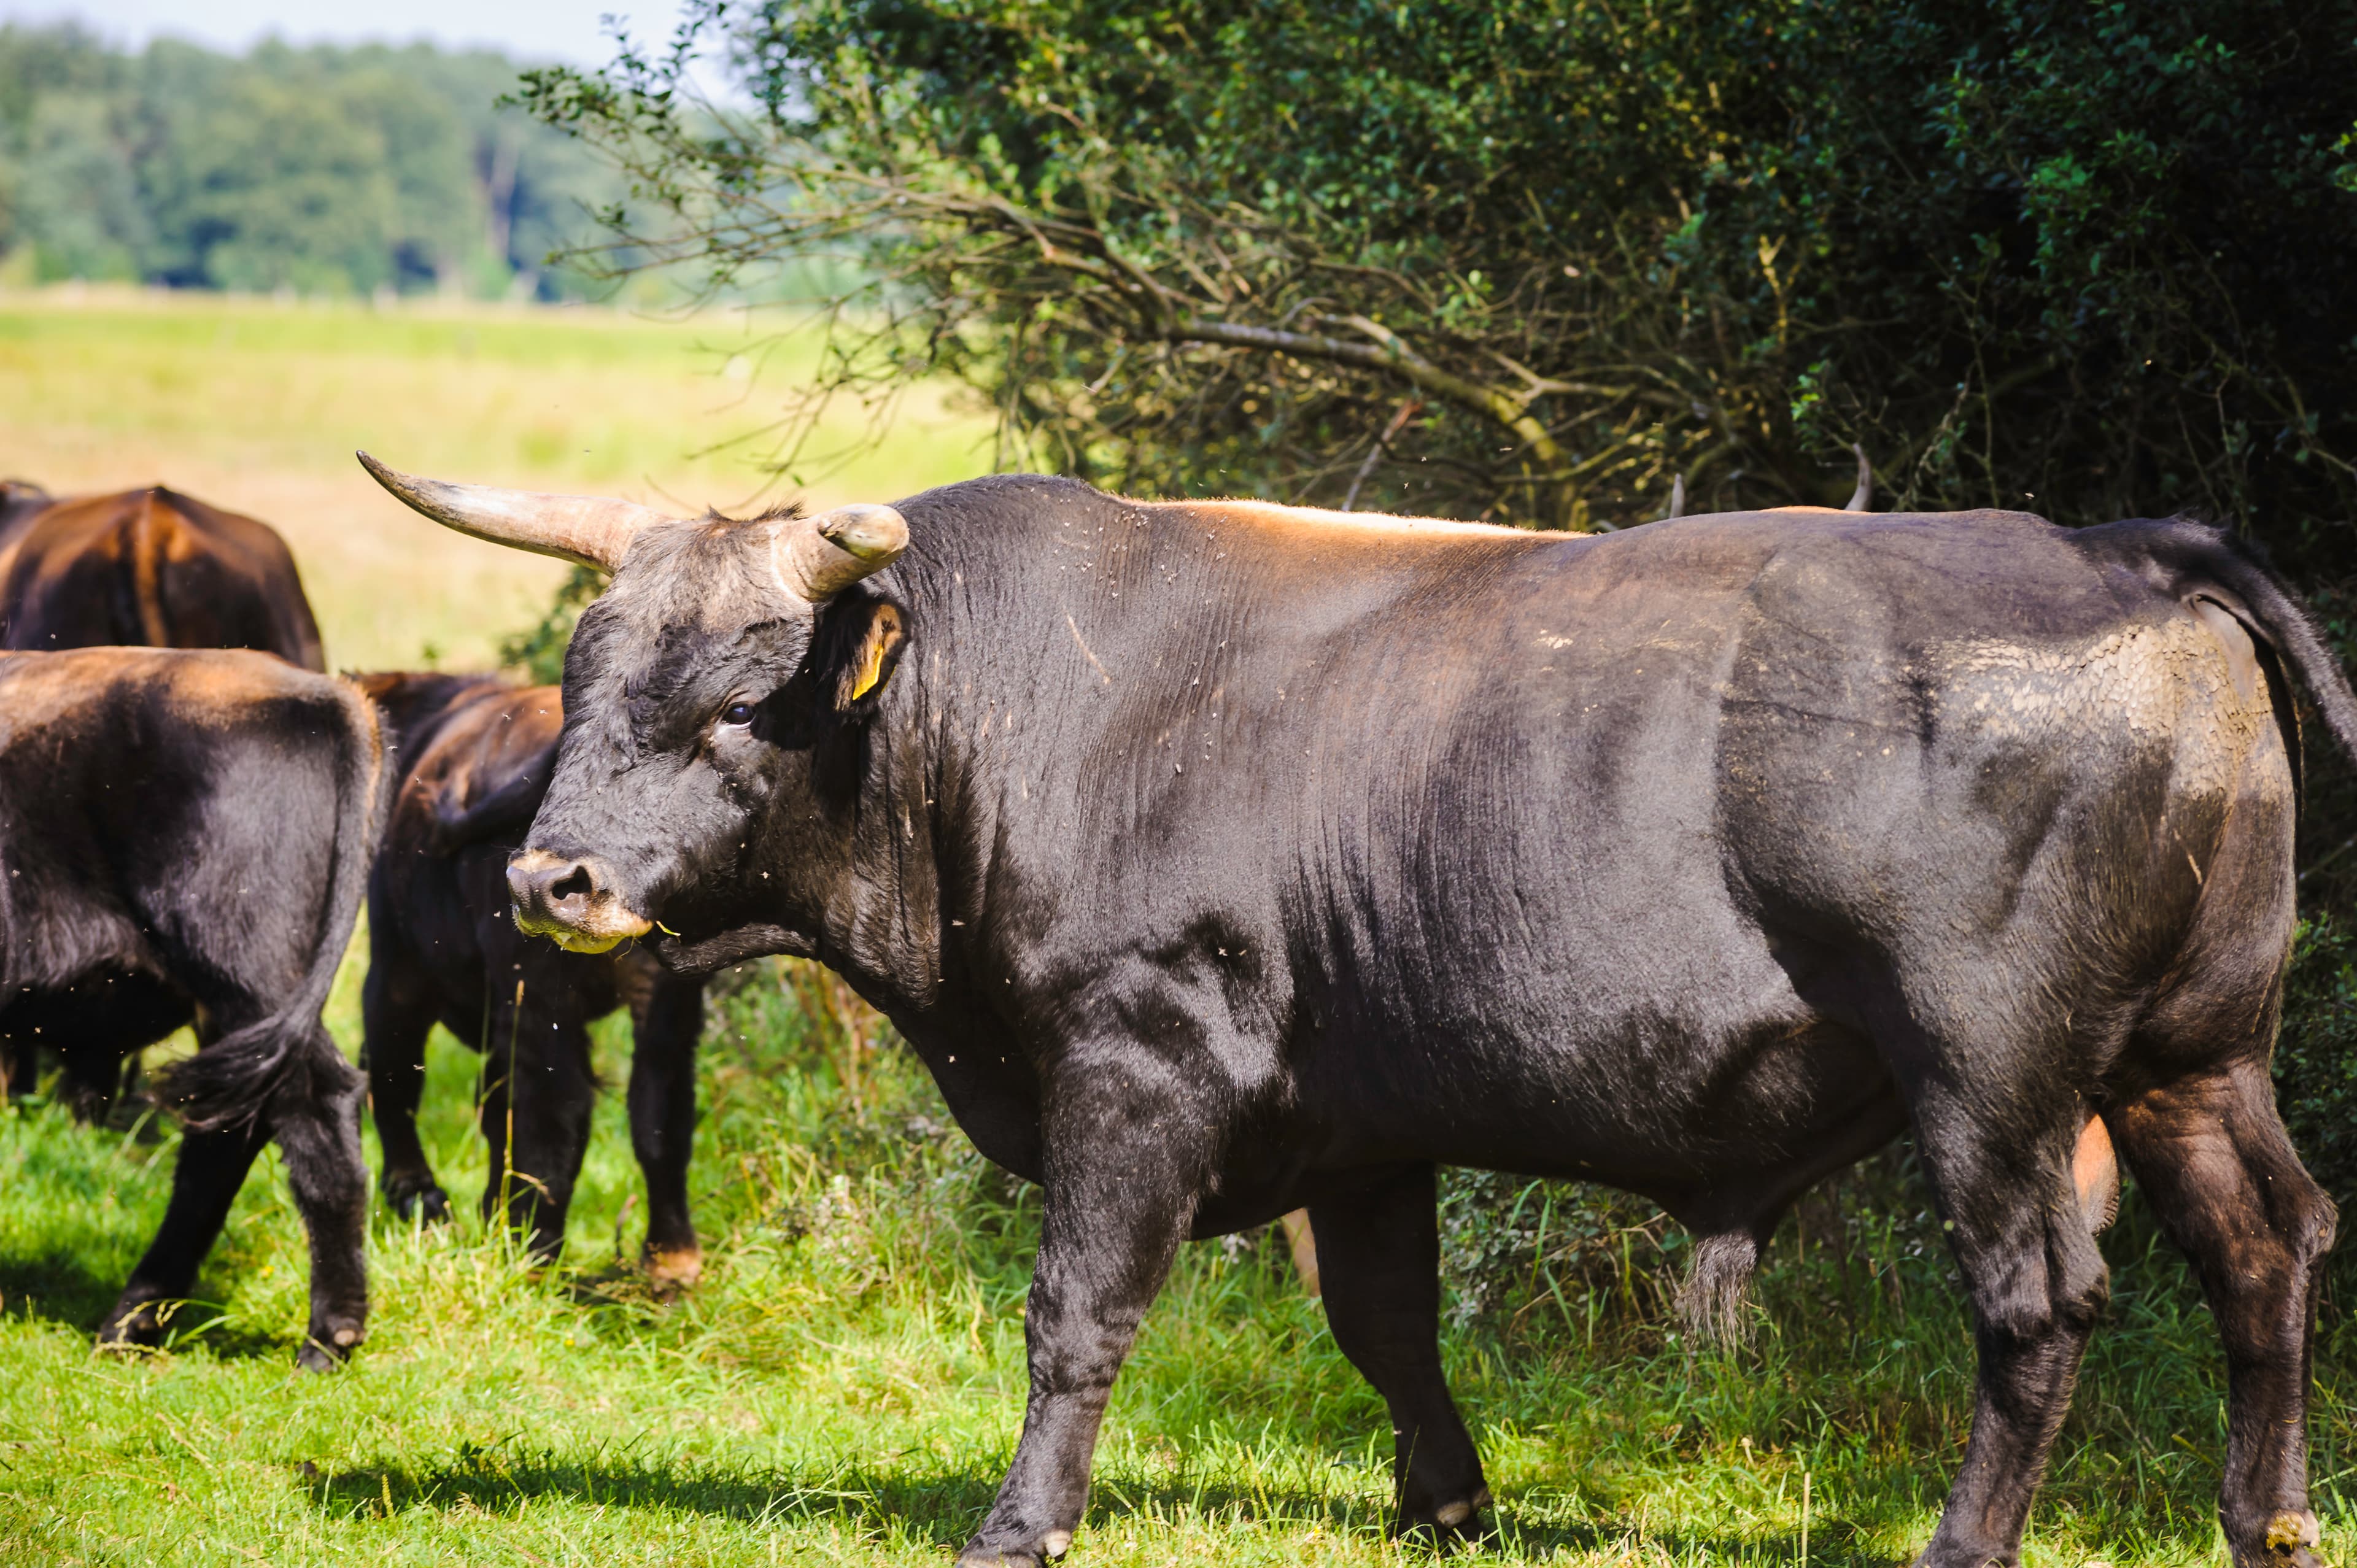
[(153, 567)]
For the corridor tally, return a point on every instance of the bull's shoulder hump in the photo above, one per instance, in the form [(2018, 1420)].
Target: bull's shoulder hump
[(1388, 526)]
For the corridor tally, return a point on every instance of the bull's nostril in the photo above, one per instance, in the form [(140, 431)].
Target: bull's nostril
[(576, 882)]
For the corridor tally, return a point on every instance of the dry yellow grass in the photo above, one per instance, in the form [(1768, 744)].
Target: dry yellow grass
[(257, 406)]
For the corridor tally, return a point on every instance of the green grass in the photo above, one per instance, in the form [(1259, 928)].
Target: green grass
[(845, 1383)]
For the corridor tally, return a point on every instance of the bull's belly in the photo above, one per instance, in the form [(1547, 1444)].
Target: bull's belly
[(1707, 1124)]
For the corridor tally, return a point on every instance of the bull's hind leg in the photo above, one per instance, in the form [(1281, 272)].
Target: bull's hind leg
[(1999, 1155), (2211, 1155), (1379, 1266)]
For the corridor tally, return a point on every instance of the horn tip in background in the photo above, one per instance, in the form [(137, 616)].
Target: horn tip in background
[(871, 532), (1862, 499)]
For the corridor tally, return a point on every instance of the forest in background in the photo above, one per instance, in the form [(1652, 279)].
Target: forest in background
[(320, 170)]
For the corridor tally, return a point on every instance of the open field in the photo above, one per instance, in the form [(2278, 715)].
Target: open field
[(845, 1384), (257, 406)]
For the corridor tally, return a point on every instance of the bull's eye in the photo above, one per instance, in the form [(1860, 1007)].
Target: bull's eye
[(738, 714)]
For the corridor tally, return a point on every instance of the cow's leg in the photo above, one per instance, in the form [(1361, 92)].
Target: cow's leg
[(315, 1118), (396, 1016), (2213, 1156), (205, 1181), (536, 1119), (1379, 1263), (2003, 1172), (1121, 1178), (663, 1124)]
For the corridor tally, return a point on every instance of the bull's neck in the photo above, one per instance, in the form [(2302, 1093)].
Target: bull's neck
[(997, 661)]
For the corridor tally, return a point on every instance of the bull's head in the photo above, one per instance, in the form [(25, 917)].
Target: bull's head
[(717, 653)]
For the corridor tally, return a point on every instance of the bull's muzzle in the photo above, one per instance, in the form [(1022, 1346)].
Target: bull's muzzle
[(571, 902)]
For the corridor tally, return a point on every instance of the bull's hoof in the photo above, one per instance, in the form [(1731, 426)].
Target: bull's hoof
[(416, 1196), (673, 1269), (2292, 1538), (1051, 1546)]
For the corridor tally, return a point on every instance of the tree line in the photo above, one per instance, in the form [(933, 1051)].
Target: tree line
[(316, 169)]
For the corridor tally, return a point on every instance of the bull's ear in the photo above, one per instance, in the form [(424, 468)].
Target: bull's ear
[(858, 646)]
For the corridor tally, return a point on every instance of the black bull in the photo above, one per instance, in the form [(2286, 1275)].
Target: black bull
[(1219, 858)]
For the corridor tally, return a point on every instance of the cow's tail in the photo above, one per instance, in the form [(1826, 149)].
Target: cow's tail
[(233, 1080), (2196, 556)]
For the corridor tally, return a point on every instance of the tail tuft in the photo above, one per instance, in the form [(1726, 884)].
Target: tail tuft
[(1710, 1303)]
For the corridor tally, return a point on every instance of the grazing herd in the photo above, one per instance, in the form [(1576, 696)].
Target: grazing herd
[(1218, 859), (190, 815)]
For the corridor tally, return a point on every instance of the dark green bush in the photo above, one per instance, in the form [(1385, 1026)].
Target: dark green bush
[(2316, 1054), (1529, 258)]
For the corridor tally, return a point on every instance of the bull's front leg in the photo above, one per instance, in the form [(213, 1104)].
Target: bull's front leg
[(1126, 1146)]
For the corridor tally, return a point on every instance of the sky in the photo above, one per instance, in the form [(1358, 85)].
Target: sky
[(565, 30)]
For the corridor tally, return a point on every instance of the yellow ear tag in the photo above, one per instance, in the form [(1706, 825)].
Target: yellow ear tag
[(870, 670)]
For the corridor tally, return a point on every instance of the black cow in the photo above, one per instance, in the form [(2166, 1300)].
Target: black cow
[(154, 568), (185, 837), (473, 755), (1219, 857)]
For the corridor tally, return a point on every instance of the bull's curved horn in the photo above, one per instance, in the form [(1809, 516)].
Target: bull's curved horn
[(590, 530), (1677, 498), (1863, 499), (818, 557)]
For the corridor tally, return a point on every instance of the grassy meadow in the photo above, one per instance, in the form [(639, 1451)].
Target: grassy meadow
[(845, 1383), (256, 404)]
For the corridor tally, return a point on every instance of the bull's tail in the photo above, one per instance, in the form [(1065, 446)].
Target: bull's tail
[(233, 1079), (2195, 557), (1710, 1303)]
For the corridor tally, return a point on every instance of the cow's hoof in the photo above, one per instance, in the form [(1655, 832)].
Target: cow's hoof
[(673, 1269), (1451, 1522), (328, 1346), (417, 1198), (133, 1326)]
